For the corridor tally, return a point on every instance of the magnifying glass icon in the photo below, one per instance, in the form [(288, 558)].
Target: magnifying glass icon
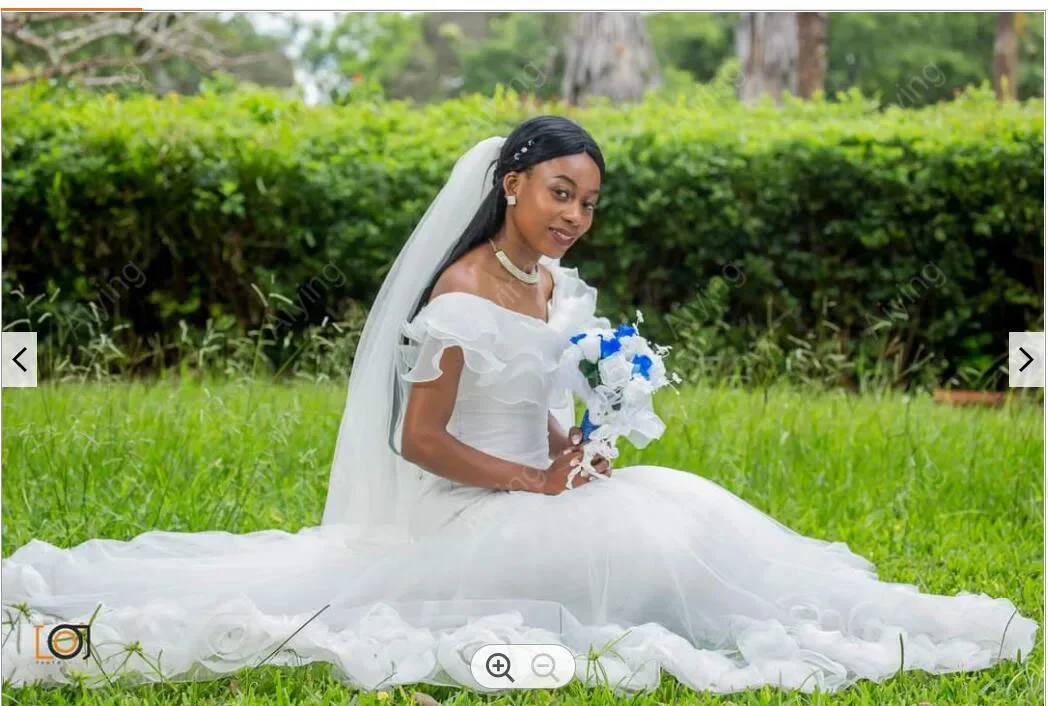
[(497, 665), (542, 665)]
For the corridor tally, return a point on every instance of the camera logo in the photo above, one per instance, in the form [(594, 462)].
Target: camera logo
[(64, 641)]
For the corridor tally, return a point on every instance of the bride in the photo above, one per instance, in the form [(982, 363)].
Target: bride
[(450, 524)]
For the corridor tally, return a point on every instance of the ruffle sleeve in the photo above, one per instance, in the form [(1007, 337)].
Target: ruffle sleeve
[(575, 303), (507, 356)]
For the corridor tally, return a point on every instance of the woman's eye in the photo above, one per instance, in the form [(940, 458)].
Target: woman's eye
[(561, 193), (591, 206)]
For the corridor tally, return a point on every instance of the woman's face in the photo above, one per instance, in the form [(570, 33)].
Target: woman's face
[(555, 202)]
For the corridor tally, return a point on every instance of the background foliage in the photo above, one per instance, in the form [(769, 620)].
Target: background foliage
[(904, 58), (925, 224)]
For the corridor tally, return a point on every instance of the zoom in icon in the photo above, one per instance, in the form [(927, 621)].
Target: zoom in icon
[(498, 665), (501, 666)]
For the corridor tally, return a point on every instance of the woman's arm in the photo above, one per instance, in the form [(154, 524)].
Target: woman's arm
[(427, 443)]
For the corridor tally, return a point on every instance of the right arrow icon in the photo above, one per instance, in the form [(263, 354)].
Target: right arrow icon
[(1029, 359), (1026, 357)]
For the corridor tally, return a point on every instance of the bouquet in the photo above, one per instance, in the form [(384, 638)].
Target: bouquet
[(616, 372)]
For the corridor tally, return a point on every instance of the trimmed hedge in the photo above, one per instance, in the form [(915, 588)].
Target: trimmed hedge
[(829, 211)]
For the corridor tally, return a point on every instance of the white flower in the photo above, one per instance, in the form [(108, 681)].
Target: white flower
[(571, 358), (637, 393), (604, 397), (632, 345), (642, 347), (657, 372), (615, 370), (596, 412), (590, 347), (646, 426)]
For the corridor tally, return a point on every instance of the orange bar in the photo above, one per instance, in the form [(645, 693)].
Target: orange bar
[(67, 9)]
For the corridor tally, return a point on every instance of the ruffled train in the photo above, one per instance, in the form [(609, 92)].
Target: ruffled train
[(654, 569)]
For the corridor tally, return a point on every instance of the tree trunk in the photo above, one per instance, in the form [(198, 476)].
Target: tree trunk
[(609, 54), (811, 53), (766, 43), (1006, 57)]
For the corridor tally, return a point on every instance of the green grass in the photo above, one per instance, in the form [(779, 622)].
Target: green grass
[(947, 498)]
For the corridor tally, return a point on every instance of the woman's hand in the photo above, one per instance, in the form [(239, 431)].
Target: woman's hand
[(560, 442), (556, 479), (600, 464)]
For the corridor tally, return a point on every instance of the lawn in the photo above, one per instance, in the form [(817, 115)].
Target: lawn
[(948, 498)]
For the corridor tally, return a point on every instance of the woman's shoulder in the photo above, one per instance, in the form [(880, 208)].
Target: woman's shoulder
[(467, 276), (462, 276)]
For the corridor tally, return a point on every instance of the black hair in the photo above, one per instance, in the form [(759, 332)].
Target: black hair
[(535, 140)]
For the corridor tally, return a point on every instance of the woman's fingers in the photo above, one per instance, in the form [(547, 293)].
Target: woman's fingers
[(574, 440)]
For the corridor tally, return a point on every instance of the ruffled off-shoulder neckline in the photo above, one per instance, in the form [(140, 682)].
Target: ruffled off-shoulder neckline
[(511, 356), (550, 305), (572, 302)]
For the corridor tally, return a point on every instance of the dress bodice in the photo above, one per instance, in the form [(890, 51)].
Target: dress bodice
[(507, 387)]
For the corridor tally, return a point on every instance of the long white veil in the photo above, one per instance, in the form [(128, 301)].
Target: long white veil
[(371, 486)]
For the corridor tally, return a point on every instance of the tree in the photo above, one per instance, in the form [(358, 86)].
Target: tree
[(767, 45), (1006, 56), (160, 51), (609, 54), (916, 58), (811, 53)]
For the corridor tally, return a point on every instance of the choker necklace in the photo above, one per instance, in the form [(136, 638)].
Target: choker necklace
[(525, 277)]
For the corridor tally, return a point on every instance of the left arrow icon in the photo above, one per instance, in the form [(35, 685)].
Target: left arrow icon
[(18, 359), (24, 349)]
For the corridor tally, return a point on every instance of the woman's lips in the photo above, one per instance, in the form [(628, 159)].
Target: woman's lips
[(562, 238)]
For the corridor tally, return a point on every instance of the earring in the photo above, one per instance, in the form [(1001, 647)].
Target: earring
[(511, 199)]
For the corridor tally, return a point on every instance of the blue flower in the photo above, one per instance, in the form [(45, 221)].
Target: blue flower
[(587, 426), (577, 337), (642, 365), (625, 330), (609, 347)]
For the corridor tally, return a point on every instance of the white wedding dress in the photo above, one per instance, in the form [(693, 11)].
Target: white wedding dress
[(678, 573)]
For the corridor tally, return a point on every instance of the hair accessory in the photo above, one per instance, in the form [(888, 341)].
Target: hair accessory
[(529, 143)]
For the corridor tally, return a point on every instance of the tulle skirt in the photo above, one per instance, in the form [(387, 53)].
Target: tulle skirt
[(672, 570)]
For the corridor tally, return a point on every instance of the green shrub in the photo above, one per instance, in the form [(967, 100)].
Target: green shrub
[(928, 223)]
